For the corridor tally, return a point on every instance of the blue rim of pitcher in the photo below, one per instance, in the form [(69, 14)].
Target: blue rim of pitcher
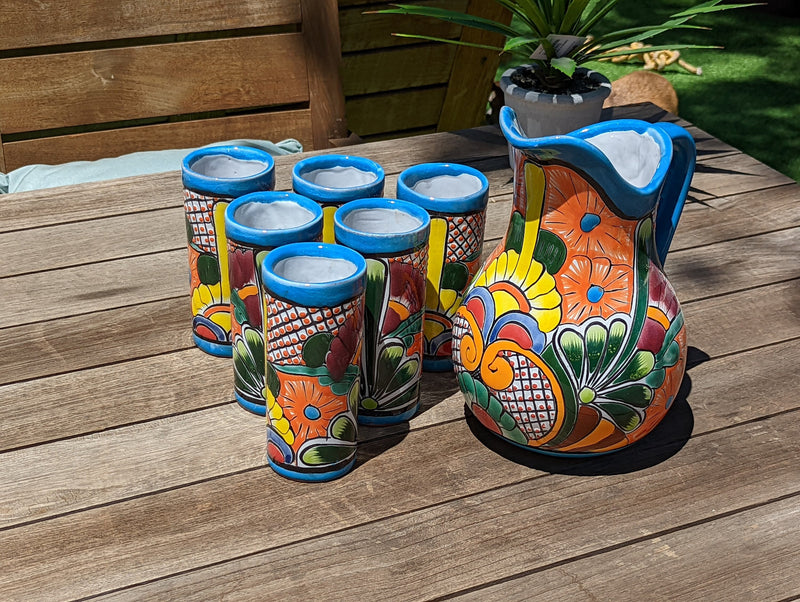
[(373, 242), (230, 187), (469, 203), (336, 196), (314, 294), (263, 237), (574, 149)]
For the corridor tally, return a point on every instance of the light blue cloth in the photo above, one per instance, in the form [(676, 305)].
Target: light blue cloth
[(34, 177)]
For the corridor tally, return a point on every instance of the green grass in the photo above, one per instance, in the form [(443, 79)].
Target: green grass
[(749, 93)]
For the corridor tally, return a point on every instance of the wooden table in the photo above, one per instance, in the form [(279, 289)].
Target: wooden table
[(127, 471)]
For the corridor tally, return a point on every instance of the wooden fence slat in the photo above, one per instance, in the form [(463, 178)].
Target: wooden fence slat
[(397, 68), (89, 146), (368, 32), (139, 82), (28, 24), (380, 113)]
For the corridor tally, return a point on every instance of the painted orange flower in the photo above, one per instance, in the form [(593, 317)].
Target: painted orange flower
[(594, 288), (309, 406), (579, 216)]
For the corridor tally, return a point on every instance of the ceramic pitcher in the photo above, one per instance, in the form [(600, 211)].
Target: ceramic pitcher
[(571, 341)]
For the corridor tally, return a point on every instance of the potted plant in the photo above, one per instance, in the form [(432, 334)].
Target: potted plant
[(549, 90)]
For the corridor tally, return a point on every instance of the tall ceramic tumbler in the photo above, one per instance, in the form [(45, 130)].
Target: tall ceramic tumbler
[(393, 237), (455, 196), (314, 304), (255, 224), (333, 180), (212, 177)]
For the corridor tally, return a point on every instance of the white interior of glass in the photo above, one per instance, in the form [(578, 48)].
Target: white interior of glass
[(447, 186), (378, 220), (635, 156), (224, 166), (340, 176), (278, 215), (308, 269)]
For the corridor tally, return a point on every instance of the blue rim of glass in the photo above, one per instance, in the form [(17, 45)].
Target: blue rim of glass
[(374, 242), (464, 204), (232, 187), (272, 237), (314, 294), (336, 195)]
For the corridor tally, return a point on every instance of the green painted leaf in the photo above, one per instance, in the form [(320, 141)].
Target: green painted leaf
[(507, 422), (342, 386), (319, 455), (316, 348), (516, 435), (550, 251), (388, 361), (656, 378), (572, 344), (239, 308), (671, 355), (343, 428), (623, 416), (408, 397), (273, 384), (516, 233), (208, 269), (455, 276), (596, 337), (494, 409), (407, 371), (641, 365), (616, 337), (638, 396)]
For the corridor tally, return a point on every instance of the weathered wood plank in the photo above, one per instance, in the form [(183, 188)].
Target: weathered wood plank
[(473, 70), (96, 339), (96, 399), (91, 241), (470, 493), (89, 288), (376, 114), (323, 65), (751, 555), (734, 174), (368, 31), (28, 24), (139, 82), (753, 389), (396, 68), (89, 146)]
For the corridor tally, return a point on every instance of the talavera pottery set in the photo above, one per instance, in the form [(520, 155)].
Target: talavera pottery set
[(567, 340)]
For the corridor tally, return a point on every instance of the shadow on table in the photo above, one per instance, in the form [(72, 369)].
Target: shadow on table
[(375, 440), (661, 443)]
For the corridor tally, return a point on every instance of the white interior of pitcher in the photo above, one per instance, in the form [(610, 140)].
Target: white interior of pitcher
[(635, 156)]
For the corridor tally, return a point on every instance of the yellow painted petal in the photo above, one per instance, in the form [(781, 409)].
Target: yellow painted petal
[(223, 319), (548, 319), (206, 298), (432, 329), (535, 272), (542, 286), (448, 298), (504, 302), (549, 300)]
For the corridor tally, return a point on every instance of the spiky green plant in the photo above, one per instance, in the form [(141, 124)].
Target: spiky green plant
[(536, 23)]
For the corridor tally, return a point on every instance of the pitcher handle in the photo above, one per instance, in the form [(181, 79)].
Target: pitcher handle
[(676, 186)]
